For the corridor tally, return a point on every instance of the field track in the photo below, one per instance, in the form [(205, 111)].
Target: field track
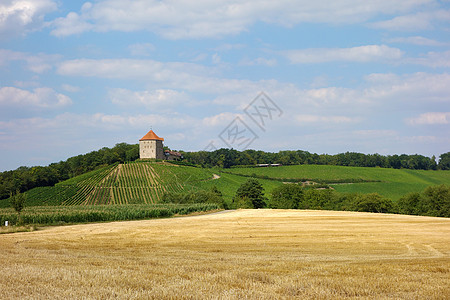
[(266, 254)]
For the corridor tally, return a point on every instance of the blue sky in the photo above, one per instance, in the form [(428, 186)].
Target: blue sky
[(336, 76)]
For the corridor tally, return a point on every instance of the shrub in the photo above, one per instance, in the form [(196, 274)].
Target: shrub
[(287, 196), (253, 190), (373, 203), (438, 200), (213, 196), (17, 201), (411, 204)]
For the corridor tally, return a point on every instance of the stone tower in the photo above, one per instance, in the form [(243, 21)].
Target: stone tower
[(151, 146)]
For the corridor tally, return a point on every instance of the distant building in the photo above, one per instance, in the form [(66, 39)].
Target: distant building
[(151, 146), (173, 155)]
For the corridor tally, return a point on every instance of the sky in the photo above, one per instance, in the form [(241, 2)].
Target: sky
[(322, 76)]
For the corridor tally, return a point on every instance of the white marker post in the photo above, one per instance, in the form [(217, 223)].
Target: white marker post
[(6, 223)]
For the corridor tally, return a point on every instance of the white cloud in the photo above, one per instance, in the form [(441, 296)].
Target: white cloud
[(229, 47), (37, 63), (19, 16), (172, 75), (70, 25), (322, 119), (259, 61), (143, 49), (409, 88), (417, 21), (130, 69), (222, 119), (189, 77), (432, 59), (89, 123), (155, 99), (430, 118), (369, 53), (216, 59), (199, 19), (416, 40), (375, 133), (70, 88), (39, 98)]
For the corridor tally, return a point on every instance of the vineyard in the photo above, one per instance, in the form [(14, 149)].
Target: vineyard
[(130, 183)]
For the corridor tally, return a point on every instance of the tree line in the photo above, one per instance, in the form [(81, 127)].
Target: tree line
[(227, 158), (26, 178), (433, 201)]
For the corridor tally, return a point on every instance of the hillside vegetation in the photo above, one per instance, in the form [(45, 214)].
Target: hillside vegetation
[(25, 178), (129, 183), (391, 183), (327, 187)]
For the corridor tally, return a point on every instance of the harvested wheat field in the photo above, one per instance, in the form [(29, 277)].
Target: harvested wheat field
[(264, 254)]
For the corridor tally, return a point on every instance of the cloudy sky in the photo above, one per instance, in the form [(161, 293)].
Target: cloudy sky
[(366, 76)]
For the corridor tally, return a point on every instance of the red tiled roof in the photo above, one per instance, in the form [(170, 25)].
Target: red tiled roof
[(151, 136), (174, 153)]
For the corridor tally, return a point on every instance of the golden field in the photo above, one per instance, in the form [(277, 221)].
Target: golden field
[(263, 254)]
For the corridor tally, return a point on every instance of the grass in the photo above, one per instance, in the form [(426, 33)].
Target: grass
[(391, 183), (260, 254), (146, 182)]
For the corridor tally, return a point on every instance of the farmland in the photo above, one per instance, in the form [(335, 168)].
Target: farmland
[(280, 253), (145, 183), (130, 183), (59, 215), (391, 183)]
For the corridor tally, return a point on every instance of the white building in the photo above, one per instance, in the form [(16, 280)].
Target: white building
[(151, 146)]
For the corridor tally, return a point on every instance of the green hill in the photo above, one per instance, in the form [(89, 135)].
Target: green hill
[(144, 182), (129, 183), (391, 183)]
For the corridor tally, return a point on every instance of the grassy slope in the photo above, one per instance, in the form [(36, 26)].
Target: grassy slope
[(138, 182), (393, 183), (229, 183), (132, 180)]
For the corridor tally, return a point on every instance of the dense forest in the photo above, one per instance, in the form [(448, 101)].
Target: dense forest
[(227, 158), (26, 178)]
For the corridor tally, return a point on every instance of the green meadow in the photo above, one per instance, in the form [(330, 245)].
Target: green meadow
[(391, 183), (146, 182)]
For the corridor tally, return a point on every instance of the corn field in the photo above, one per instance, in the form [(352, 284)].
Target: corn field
[(58, 215)]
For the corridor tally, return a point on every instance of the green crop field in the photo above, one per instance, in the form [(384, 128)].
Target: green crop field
[(57, 215), (229, 183), (146, 182), (391, 183), (130, 183)]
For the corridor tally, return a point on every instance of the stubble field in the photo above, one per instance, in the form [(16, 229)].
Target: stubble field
[(267, 254)]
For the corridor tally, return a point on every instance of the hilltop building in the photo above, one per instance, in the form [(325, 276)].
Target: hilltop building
[(151, 146), (172, 155)]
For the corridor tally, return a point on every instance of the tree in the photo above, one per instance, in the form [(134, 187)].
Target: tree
[(438, 199), (287, 196), (412, 204), (444, 161), (216, 191), (253, 191), (17, 201), (373, 203)]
